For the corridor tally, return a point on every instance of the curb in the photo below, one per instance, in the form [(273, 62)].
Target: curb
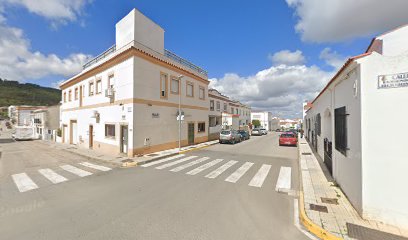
[(310, 225), (197, 148), (91, 158)]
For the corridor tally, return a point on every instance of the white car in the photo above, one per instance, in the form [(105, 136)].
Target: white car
[(264, 131)]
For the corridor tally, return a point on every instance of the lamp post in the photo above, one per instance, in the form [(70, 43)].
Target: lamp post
[(179, 112)]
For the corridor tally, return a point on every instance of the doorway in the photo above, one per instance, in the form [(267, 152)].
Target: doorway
[(73, 132), (64, 133), (90, 136), (190, 133), (124, 139)]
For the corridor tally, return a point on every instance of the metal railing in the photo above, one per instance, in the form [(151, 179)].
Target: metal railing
[(100, 57), (184, 62), (135, 44)]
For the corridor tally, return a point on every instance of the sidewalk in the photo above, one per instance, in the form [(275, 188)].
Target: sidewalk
[(125, 161), (326, 211)]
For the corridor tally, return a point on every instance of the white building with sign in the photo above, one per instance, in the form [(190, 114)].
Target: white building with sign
[(348, 126), (125, 101), (265, 119)]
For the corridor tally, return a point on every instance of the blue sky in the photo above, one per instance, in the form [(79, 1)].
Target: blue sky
[(236, 41)]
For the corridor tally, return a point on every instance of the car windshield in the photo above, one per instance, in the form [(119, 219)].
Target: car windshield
[(225, 132), (241, 131), (287, 136)]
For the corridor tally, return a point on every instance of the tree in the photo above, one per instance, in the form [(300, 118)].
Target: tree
[(256, 123)]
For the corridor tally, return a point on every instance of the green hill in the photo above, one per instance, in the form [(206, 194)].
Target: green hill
[(15, 93)]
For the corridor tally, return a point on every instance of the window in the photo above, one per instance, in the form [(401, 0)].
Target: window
[(163, 85), (232, 110), (212, 105), (110, 130), (83, 90), (318, 124), (236, 111), (76, 94), (201, 127), (225, 107), (91, 88), (218, 106), (201, 93), (65, 96), (69, 95), (111, 81), (98, 86), (340, 131), (190, 89), (175, 85)]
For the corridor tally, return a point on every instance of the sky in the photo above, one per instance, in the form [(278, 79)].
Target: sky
[(270, 54)]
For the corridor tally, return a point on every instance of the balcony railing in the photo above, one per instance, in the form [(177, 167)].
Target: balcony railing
[(100, 57), (173, 57), (184, 62)]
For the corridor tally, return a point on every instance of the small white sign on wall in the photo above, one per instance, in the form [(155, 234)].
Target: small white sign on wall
[(393, 80)]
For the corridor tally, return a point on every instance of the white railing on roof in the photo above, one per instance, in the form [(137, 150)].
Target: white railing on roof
[(168, 55)]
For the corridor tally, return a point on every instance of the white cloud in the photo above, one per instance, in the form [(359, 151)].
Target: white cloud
[(59, 11), (332, 58), (287, 57), (279, 89), (19, 62), (338, 20)]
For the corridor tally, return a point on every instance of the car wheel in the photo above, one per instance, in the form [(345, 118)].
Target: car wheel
[(233, 142)]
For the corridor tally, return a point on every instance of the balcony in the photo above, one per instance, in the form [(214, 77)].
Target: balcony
[(168, 56)]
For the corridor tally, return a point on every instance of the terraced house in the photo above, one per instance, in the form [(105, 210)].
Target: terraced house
[(126, 99)]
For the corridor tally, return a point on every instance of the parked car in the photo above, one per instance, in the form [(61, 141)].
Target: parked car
[(288, 138), (230, 136), (244, 134), (256, 132), (264, 131), (278, 130), (23, 133)]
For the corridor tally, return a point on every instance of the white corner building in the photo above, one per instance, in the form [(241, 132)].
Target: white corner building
[(348, 126), (125, 101)]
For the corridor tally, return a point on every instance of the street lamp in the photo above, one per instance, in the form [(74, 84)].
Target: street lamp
[(179, 112)]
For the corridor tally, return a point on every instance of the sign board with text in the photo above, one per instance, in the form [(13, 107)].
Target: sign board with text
[(393, 80)]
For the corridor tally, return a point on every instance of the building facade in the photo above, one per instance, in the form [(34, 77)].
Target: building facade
[(126, 100), (21, 115), (265, 119), (348, 128), (45, 122)]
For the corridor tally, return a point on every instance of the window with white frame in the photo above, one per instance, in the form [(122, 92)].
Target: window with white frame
[(91, 88), (76, 93), (163, 85), (202, 93), (218, 106), (225, 107), (98, 86), (190, 89), (212, 105), (111, 81), (175, 85)]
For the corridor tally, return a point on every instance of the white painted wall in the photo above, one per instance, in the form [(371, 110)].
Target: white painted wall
[(385, 155), (395, 42)]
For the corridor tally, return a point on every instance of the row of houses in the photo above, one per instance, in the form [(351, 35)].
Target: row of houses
[(128, 100), (348, 125)]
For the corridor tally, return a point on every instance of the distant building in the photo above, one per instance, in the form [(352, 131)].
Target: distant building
[(21, 115), (45, 122), (289, 123), (265, 119), (348, 126)]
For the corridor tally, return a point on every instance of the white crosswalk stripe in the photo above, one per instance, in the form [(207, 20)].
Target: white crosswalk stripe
[(260, 176), (163, 160), (233, 178), (23, 182), (52, 176), (175, 162), (179, 168), (284, 180), (221, 169), (94, 166), (75, 170), (204, 167)]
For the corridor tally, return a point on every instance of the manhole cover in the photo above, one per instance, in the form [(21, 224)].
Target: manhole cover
[(306, 153), (330, 200), (318, 208)]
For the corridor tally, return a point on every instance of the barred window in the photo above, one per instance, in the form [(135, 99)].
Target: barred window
[(201, 127), (340, 123), (110, 130)]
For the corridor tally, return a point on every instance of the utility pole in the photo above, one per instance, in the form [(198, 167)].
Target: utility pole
[(179, 111)]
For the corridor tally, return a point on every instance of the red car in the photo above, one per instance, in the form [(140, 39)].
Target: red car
[(288, 138)]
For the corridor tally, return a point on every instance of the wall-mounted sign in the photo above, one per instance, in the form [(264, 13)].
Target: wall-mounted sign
[(155, 115), (393, 80)]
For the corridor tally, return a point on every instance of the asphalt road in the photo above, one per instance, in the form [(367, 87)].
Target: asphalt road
[(150, 203)]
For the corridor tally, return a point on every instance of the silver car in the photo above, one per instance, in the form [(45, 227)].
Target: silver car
[(264, 131), (230, 136)]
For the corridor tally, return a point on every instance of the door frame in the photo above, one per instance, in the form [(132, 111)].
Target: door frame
[(188, 133), (122, 126), (91, 130), (71, 132), (64, 127)]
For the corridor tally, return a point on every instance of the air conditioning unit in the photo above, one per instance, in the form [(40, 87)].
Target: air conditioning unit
[(109, 92)]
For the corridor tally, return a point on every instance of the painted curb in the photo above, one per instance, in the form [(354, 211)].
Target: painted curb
[(91, 158), (311, 226)]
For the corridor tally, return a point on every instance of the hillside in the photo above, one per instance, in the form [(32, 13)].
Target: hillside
[(15, 93)]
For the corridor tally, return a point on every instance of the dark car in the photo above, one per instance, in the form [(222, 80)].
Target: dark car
[(244, 134)]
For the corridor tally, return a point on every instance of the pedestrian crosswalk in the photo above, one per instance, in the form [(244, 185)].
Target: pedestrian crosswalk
[(233, 170), (25, 183)]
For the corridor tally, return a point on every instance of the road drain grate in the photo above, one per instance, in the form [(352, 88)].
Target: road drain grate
[(318, 208), (330, 200), (306, 153)]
